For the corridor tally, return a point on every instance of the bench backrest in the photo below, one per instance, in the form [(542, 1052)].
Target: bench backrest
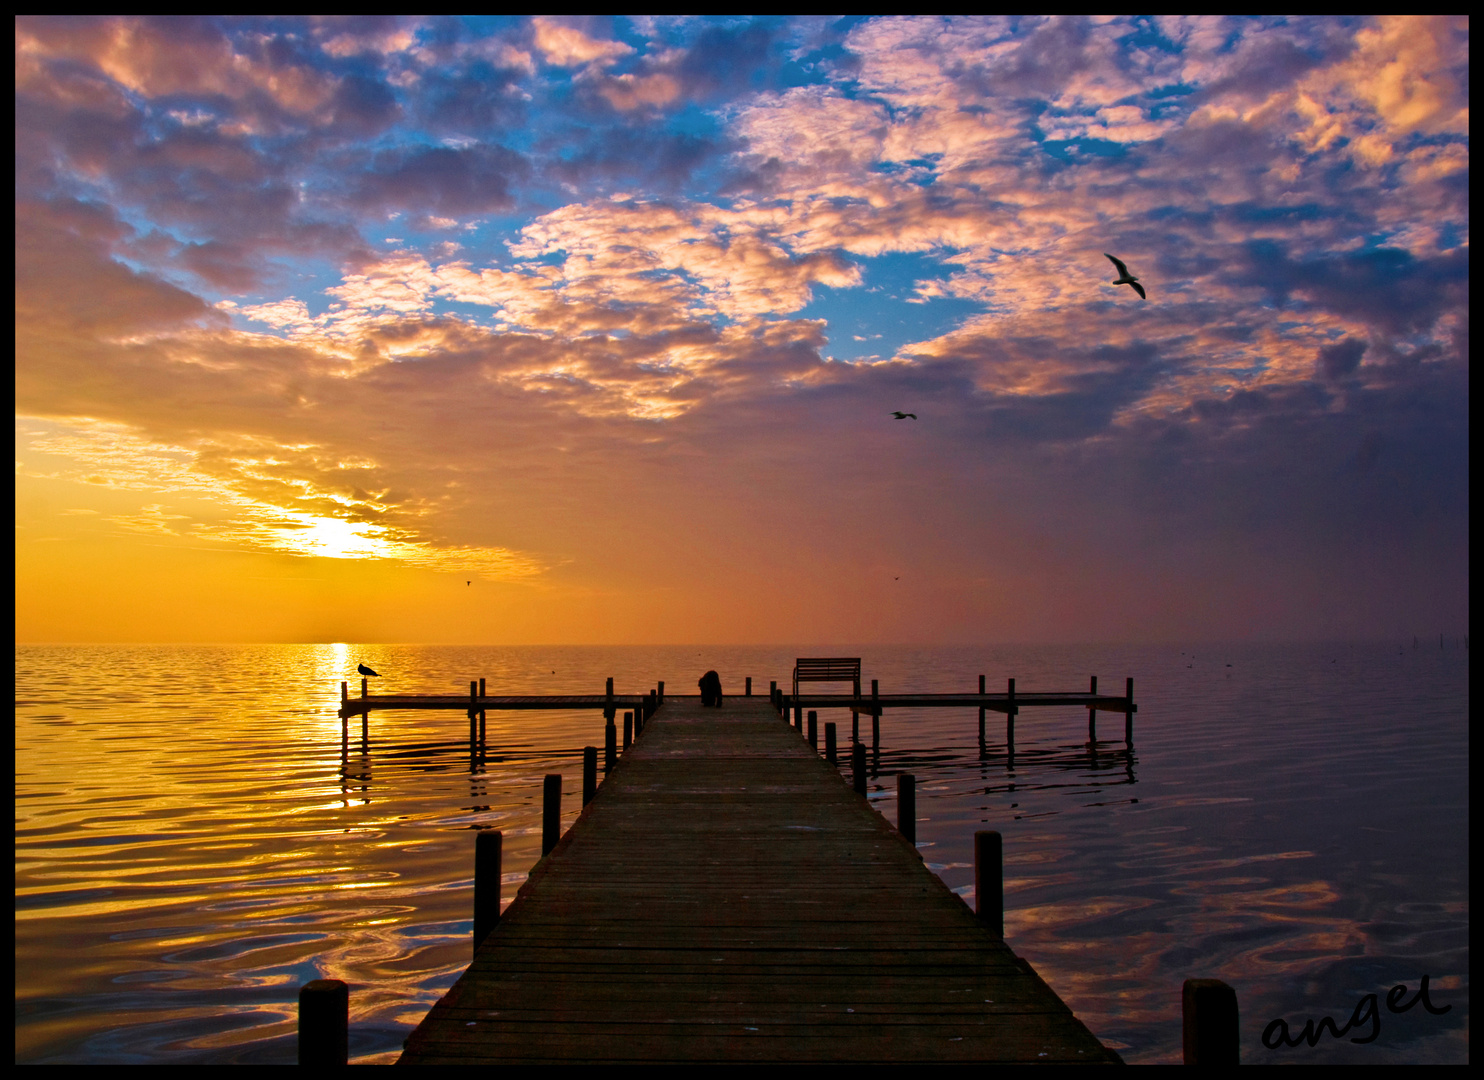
[(827, 669)]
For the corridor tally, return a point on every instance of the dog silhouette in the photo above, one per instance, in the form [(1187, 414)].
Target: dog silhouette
[(710, 685)]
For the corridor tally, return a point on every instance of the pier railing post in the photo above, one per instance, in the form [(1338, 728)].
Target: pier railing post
[(628, 730), (608, 701), (1211, 1028), (324, 1022), (858, 767), (814, 729), (989, 880), (610, 746), (589, 773), (660, 694), (907, 807), (829, 742), (473, 713), (363, 687), (344, 693), (487, 851), (773, 692), (749, 687), (798, 716), (551, 812)]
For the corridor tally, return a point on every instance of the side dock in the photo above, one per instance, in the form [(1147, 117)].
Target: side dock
[(725, 897)]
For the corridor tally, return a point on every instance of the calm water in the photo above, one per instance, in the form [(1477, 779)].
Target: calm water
[(191, 845)]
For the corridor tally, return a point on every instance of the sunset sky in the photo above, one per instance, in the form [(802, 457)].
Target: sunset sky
[(590, 331)]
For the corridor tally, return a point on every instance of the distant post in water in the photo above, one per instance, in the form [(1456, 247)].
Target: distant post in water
[(981, 710), (589, 773), (487, 849), (907, 807), (989, 881), (324, 1023), (1209, 1010), (814, 729), (551, 812), (858, 767), (1092, 714), (829, 742)]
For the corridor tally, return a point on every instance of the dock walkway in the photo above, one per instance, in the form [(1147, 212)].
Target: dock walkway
[(726, 897)]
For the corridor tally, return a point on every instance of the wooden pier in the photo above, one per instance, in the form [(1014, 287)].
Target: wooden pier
[(725, 897)]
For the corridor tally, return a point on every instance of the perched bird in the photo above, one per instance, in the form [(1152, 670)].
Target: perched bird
[(1125, 278), (905, 415), (364, 670), (468, 583)]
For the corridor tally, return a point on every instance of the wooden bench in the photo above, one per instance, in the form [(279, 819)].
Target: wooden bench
[(827, 669)]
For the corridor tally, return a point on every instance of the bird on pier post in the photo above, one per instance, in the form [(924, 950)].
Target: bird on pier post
[(364, 670)]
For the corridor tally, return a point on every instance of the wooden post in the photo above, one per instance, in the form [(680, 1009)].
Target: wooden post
[(814, 729), (324, 1023), (473, 713), (551, 812), (1010, 718), (981, 711), (1211, 1030), (858, 766), (487, 847), (989, 880), (1092, 714), (875, 716), (589, 773), (344, 693), (660, 696), (1128, 716), (363, 686), (773, 692), (749, 687), (628, 730), (829, 743), (610, 746), (798, 716), (907, 807), (608, 705)]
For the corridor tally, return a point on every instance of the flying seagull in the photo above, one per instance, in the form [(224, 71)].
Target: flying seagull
[(905, 415), (364, 670), (1125, 278)]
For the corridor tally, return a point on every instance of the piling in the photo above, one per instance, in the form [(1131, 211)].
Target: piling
[(1128, 717), (324, 1023), (1211, 1030), (989, 880), (589, 773), (981, 712), (1010, 719), (798, 717), (363, 688), (608, 703), (660, 694), (610, 745), (858, 767), (749, 687), (814, 729), (875, 715), (628, 730), (487, 851), (829, 743), (344, 693), (907, 807), (551, 812)]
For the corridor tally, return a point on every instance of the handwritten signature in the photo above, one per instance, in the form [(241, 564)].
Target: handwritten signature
[(1276, 1033)]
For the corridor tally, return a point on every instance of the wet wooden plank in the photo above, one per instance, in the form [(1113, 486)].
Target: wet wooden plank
[(726, 897)]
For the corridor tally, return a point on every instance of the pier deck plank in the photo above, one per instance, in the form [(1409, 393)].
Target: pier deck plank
[(726, 897)]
